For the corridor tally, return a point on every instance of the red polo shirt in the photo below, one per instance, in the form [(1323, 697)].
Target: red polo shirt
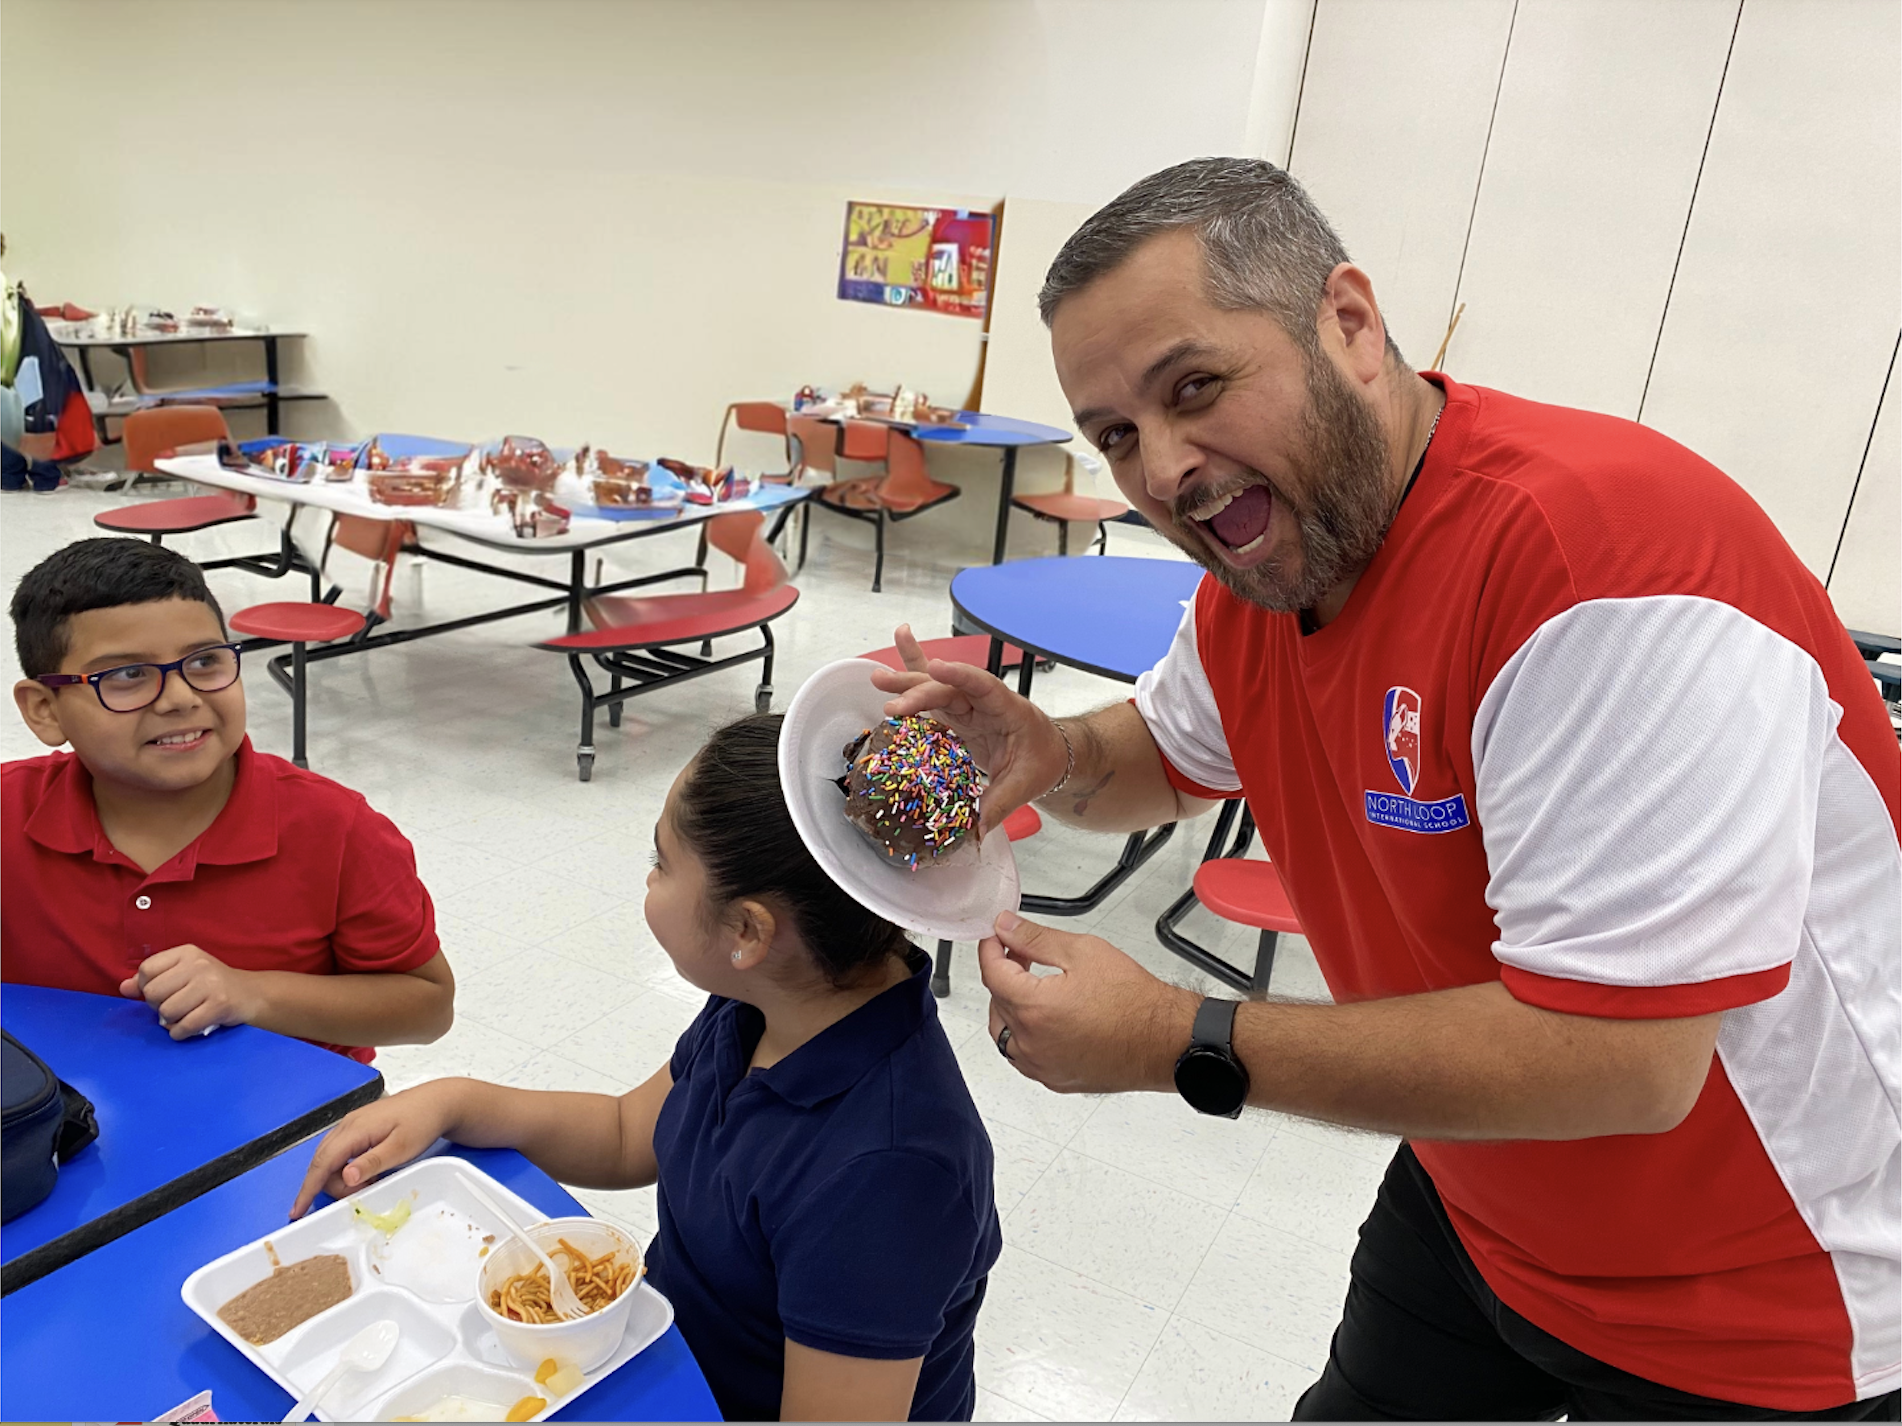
[(78, 914)]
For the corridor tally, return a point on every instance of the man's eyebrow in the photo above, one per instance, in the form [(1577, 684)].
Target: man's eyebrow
[(1188, 347)]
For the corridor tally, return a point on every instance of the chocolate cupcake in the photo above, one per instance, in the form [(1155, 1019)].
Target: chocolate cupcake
[(912, 787)]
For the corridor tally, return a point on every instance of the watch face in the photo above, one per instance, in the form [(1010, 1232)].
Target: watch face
[(1211, 1081)]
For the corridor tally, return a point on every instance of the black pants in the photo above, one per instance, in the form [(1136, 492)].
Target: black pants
[(1422, 1338)]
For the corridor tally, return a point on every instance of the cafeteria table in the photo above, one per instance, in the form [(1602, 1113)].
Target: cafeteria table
[(1003, 433), (970, 428), (1111, 615), (108, 1338), (175, 1119)]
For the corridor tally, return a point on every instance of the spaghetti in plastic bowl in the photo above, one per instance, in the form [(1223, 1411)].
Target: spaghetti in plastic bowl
[(507, 1283)]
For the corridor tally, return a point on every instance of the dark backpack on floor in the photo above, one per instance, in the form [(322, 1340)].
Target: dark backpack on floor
[(43, 1123)]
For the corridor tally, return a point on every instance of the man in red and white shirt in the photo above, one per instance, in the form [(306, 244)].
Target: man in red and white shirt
[(1586, 803)]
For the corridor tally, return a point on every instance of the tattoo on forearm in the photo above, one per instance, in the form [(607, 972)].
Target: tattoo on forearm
[(1084, 795)]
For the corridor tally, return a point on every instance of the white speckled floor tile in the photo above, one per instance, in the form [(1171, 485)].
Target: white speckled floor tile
[(1109, 1225), (470, 1049), (636, 1039), (1058, 1343), (1273, 1290), (1195, 1374), (1159, 1138), (617, 942), (1004, 1096), (541, 997), (992, 1407), (1311, 1190), (552, 1071), (1021, 1159)]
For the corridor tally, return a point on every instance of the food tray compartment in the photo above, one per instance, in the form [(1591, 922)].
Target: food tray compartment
[(469, 1380), (314, 1348), (422, 1275)]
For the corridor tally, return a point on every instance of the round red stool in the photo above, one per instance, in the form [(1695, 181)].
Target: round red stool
[(297, 624)]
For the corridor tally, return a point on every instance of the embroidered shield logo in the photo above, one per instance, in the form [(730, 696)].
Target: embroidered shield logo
[(1402, 721)]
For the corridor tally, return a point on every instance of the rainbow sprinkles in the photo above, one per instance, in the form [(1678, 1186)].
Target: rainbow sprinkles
[(911, 786)]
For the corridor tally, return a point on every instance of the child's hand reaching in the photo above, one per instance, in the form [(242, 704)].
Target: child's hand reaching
[(379, 1137), (193, 991)]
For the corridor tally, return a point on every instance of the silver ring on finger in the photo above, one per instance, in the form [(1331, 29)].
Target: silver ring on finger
[(1003, 1042)]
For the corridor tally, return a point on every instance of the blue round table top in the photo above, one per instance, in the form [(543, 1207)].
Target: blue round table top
[(980, 429), (1113, 615)]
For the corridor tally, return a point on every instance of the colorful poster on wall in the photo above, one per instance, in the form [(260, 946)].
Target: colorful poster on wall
[(935, 258)]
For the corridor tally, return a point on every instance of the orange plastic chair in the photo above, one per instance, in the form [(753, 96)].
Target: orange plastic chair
[(152, 434), (1066, 506), (965, 648), (904, 491), (635, 638), (1249, 893), (764, 418)]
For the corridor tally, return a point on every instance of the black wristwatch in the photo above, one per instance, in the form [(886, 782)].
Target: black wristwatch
[(1208, 1075)]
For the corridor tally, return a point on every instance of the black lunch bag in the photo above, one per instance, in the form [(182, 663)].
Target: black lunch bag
[(43, 1122)]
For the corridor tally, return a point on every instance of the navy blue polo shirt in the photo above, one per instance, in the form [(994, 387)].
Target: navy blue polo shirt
[(841, 1198)]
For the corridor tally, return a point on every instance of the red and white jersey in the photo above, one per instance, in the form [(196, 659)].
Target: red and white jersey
[(1588, 727)]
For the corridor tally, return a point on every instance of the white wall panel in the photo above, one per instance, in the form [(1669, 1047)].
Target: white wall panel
[(1867, 582), (1389, 136), (1786, 304), (1602, 118)]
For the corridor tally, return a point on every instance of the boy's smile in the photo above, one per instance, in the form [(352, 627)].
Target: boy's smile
[(181, 740)]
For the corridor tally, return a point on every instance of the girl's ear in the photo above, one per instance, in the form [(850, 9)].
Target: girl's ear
[(752, 936)]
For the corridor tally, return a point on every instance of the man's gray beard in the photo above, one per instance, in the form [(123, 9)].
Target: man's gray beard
[(1343, 457)]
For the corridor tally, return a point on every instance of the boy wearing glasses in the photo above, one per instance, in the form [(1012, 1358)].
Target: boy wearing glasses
[(164, 858)]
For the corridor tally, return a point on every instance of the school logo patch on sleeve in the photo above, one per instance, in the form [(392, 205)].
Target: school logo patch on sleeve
[(1400, 718)]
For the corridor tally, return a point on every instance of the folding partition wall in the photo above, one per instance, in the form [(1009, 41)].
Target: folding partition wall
[(1686, 213)]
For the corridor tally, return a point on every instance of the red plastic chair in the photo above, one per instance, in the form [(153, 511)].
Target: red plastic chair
[(1067, 506), (635, 638), (965, 648), (158, 432), (301, 623), (904, 491), (1248, 893), (763, 418)]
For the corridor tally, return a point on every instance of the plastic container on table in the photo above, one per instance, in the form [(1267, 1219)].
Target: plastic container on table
[(424, 1276)]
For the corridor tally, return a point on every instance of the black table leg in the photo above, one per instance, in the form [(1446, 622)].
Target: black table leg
[(270, 391), (577, 574), (1007, 487)]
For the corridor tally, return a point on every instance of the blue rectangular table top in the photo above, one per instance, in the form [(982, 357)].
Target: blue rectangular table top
[(175, 1119), (108, 1338)]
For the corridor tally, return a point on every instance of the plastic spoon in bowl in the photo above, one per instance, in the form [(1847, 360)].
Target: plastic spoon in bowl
[(561, 1293), (365, 1352)]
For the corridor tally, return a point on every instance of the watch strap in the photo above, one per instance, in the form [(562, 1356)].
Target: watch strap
[(1215, 1025)]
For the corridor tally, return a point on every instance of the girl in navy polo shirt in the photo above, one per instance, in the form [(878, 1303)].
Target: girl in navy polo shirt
[(826, 1216)]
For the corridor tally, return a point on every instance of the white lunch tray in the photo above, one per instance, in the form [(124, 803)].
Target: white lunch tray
[(423, 1277)]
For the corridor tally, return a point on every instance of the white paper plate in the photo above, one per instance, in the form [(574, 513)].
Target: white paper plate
[(946, 903)]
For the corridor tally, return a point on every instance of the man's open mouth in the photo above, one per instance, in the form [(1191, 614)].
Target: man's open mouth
[(1237, 520)]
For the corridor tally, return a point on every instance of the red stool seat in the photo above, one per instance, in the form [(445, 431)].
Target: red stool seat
[(175, 517), (298, 623), (1024, 822), (1248, 893), (1084, 509), (966, 648)]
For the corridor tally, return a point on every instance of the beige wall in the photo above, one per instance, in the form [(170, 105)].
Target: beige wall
[(591, 219)]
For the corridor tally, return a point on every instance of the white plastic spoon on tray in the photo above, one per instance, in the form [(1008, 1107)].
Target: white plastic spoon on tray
[(561, 1293), (365, 1352)]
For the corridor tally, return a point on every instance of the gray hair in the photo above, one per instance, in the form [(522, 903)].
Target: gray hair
[(1265, 245)]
